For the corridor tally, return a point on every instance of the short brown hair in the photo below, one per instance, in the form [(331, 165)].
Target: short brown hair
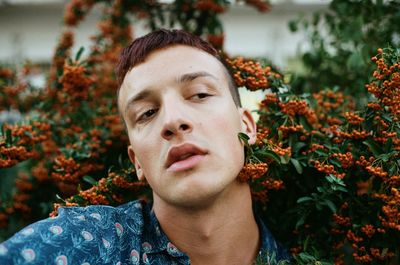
[(141, 47)]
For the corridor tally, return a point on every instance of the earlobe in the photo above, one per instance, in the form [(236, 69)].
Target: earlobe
[(138, 167), (249, 126)]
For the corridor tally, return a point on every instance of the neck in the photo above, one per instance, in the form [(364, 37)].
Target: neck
[(213, 234)]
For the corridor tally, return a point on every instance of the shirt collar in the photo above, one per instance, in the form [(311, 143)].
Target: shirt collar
[(155, 240), (268, 244)]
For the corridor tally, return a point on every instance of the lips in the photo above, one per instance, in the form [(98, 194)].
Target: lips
[(184, 156)]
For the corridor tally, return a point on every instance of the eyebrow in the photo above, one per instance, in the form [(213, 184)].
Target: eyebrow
[(145, 93), (192, 76)]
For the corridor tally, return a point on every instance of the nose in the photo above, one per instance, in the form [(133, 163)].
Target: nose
[(176, 120)]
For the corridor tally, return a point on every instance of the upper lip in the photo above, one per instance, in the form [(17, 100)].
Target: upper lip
[(182, 151)]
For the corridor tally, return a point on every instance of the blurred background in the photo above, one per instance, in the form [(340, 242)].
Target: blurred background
[(29, 30)]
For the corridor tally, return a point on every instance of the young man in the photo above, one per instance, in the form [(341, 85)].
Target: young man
[(183, 115)]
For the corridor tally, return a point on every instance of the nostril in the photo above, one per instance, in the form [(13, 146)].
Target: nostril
[(168, 133), (172, 129), (184, 127)]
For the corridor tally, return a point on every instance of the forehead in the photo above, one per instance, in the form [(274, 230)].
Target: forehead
[(166, 65)]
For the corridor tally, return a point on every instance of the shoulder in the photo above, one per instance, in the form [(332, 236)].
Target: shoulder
[(100, 231)]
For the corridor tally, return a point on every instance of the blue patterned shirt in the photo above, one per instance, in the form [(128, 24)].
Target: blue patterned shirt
[(128, 234)]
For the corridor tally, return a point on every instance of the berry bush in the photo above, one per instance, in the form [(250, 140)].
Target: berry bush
[(324, 172)]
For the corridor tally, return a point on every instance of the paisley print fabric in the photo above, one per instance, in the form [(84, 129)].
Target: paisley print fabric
[(128, 234)]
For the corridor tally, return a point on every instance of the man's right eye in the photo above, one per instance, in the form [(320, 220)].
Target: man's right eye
[(147, 114)]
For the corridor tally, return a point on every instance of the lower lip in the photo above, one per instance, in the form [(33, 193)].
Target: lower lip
[(186, 164)]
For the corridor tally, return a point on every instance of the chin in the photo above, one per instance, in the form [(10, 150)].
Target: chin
[(195, 195), (199, 187), (194, 201)]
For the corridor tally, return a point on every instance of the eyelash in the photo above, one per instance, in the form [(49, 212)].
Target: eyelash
[(142, 116), (201, 96)]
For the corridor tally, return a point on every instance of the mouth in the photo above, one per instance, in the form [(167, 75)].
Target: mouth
[(184, 156)]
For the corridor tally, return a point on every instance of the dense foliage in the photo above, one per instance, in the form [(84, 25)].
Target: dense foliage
[(342, 40), (324, 173), (328, 175)]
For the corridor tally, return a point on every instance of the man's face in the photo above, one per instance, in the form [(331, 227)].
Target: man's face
[(183, 125)]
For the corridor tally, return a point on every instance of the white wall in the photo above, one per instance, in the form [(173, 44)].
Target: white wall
[(30, 29)]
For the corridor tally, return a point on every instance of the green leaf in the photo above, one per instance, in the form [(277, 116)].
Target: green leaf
[(305, 245), (120, 161), (89, 180), (301, 221), (59, 198), (9, 139), (304, 123), (393, 169), (335, 163), (306, 257), (374, 147), (316, 18), (297, 165), (331, 205), (319, 135), (267, 154), (81, 155), (384, 157), (388, 145), (79, 199), (387, 117), (280, 136), (293, 25), (285, 159), (244, 137), (297, 146), (78, 55), (304, 199), (384, 251), (321, 152), (341, 189)]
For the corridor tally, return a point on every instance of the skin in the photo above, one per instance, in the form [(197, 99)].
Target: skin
[(166, 102)]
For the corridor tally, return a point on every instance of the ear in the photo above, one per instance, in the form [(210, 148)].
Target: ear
[(248, 125), (138, 167)]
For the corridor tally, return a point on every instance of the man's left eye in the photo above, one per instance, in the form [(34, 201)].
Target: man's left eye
[(201, 96)]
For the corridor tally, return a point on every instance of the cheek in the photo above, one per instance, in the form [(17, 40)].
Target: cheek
[(228, 122), (226, 129), (145, 151)]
